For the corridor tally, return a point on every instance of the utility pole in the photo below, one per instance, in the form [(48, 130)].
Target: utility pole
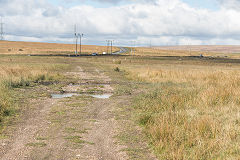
[(76, 37), (1, 30), (80, 36), (112, 46), (108, 43), (107, 46)]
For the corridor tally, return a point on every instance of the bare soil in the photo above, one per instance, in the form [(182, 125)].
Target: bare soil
[(80, 127)]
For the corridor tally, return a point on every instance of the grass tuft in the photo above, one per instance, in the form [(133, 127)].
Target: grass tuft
[(40, 144), (117, 69)]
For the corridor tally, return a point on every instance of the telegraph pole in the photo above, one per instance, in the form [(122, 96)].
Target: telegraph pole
[(76, 52), (112, 46), (76, 37), (80, 36), (1, 30), (108, 42)]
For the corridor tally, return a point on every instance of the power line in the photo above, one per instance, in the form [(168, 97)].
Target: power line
[(76, 37), (112, 46), (1, 30), (110, 43)]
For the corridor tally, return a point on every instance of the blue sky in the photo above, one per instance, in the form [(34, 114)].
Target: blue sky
[(207, 4), (73, 3)]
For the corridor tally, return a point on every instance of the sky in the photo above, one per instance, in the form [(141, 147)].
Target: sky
[(147, 22)]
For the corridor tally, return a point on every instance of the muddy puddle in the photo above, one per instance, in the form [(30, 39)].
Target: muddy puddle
[(102, 96), (64, 95), (68, 95)]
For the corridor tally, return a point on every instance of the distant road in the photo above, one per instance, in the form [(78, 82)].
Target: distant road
[(122, 50)]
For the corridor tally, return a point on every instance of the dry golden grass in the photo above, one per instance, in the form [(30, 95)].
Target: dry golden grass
[(7, 47), (204, 48), (209, 51), (18, 72), (143, 51), (191, 111)]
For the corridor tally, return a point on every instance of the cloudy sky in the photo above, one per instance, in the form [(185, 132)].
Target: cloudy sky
[(159, 22)]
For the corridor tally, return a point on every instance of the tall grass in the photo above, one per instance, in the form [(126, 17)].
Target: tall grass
[(21, 75), (191, 113)]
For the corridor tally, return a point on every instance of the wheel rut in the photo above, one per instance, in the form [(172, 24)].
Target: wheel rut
[(79, 127)]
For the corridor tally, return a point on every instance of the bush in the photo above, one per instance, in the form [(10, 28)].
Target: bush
[(116, 69)]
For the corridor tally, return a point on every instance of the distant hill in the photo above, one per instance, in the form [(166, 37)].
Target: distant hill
[(32, 48), (204, 48)]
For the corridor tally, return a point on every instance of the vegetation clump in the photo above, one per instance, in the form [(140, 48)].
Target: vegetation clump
[(117, 69)]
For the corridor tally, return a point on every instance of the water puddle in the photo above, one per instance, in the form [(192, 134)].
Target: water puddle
[(65, 95), (68, 95), (102, 96)]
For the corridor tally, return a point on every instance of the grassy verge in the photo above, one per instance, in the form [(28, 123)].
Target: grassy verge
[(16, 72)]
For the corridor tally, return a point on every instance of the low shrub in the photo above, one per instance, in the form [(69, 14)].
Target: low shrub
[(117, 69)]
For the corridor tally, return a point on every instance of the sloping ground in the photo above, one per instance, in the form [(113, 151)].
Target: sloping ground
[(8, 47)]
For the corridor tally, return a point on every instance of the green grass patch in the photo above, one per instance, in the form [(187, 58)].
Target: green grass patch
[(37, 144), (75, 139), (74, 130), (41, 138)]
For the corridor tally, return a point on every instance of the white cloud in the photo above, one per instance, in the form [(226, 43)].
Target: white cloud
[(163, 22), (116, 1), (230, 4)]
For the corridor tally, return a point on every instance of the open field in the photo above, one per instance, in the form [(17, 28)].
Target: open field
[(189, 108), (191, 111), (177, 107), (204, 48), (210, 51), (33, 48)]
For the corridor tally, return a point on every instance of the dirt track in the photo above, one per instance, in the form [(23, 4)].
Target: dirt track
[(80, 127)]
